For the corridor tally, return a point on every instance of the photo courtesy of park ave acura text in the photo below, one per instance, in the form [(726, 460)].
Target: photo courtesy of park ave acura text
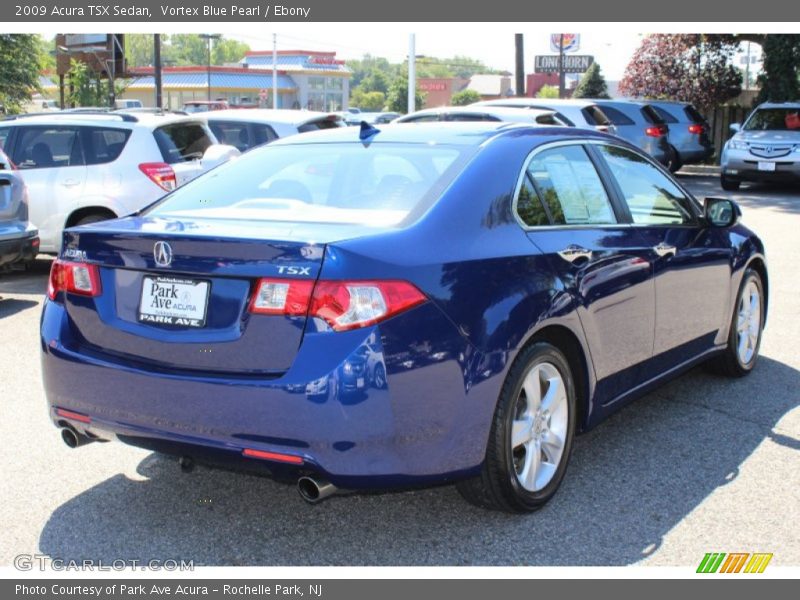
[(316, 288)]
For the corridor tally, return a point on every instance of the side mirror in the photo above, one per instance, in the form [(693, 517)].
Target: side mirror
[(735, 127), (721, 212)]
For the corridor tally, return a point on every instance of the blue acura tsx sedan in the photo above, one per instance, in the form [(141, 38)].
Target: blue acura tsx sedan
[(381, 308)]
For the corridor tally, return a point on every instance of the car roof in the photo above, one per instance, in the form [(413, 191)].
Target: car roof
[(455, 133), (493, 110), (578, 102), (779, 105), (268, 115), (117, 118)]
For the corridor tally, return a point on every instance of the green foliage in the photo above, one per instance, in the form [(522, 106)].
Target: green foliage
[(20, 61), (368, 101), (368, 65), (592, 84), (182, 49), (780, 81), (457, 66), (397, 99), (548, 91), (465, 97), (87, 88)]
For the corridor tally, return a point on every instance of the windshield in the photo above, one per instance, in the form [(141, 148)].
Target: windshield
[(375, 185), (778, 119)]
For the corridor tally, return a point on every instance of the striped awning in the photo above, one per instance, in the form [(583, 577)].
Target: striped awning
[(300, 62)]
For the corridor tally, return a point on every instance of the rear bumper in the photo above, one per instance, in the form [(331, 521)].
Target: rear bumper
[(19, 249), (425, 421)]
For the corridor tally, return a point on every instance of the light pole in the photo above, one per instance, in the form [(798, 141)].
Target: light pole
[(412, 75), (208, 37)]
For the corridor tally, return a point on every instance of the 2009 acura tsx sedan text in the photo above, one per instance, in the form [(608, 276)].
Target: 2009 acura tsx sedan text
[(385, 308)]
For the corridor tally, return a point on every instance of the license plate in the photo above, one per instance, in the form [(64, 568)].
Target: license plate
[(766, 166), (174, 302)]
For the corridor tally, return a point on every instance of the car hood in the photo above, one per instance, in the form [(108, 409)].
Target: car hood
[(769, 136)]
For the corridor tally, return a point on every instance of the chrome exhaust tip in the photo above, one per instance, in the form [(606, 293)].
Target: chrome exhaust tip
[(73, 439), (314, 490)]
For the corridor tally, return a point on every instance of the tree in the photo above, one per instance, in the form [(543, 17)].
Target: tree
[(592, 84), (780, 80), (465, 97), (368, 101), (397, 99), (87, 88), (139, 49), (182, 50), (20, 61), (547, 91), (694, 68)]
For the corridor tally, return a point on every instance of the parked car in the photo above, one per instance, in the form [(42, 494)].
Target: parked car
[(574, 113), (640, 124), (372, 118), (199, 106), (127, 103), (688, 132), (487, 113), (251, 128), (86, 167), (518, 283), (765, 148), (19, 239)]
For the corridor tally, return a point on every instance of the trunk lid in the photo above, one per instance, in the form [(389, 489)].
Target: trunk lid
[(216, 262)]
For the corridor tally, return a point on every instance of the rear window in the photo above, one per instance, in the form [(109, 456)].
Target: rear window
[(667, 117), (694, 114), (651, 115), (180, 142), (379, 185), (103, 144), (594, 115), (326, 123), (242, 135), (470, 117), (617, 117)]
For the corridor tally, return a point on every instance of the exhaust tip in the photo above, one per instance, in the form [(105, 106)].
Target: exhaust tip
[(313, 490), (70, 437)]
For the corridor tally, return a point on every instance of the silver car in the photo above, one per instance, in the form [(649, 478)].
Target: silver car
[(640, 124), (19, 240), (573, 112), (688, 134), (765, 148), (483, 113)]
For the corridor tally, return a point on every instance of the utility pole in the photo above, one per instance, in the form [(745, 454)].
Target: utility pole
[(747, 69), (157, 70), (412, 75), (208, 37), (520, 64), (274, 70), (561, 86)]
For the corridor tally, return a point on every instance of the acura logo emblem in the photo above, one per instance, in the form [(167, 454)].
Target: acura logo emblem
[(768, 149), (162, 252)]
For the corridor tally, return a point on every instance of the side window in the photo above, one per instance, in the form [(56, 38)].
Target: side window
[(470, 117), (4, 133), (568, 185), (263, 134), (651, 197), (617, 116), (47, 147), (103, 144), (423, 119)]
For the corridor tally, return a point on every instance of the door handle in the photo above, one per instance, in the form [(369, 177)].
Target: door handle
[(572, 253), (70, 182), (665, 250)]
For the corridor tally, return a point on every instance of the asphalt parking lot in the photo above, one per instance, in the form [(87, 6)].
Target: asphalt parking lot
[(704, 464)]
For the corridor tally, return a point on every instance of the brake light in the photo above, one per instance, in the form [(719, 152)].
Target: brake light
[(73, 416), (696, 128), (342, 304), (352, 304), (75, 278), (656, 131), (161, 174), (282, 296)]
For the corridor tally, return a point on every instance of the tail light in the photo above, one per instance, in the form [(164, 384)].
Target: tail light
[(657, 130), (696, 128), (342, 304), (161, 174), (74, 278)]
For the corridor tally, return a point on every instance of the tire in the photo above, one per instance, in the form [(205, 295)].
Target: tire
[(673, 160), (379, 376), (94, 218), (502, 483), (729, 185), (735, 362)]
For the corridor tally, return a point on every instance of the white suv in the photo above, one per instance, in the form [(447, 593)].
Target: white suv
[(85, 167)]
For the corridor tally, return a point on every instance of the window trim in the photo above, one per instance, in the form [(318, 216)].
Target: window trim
[(615, 196)]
